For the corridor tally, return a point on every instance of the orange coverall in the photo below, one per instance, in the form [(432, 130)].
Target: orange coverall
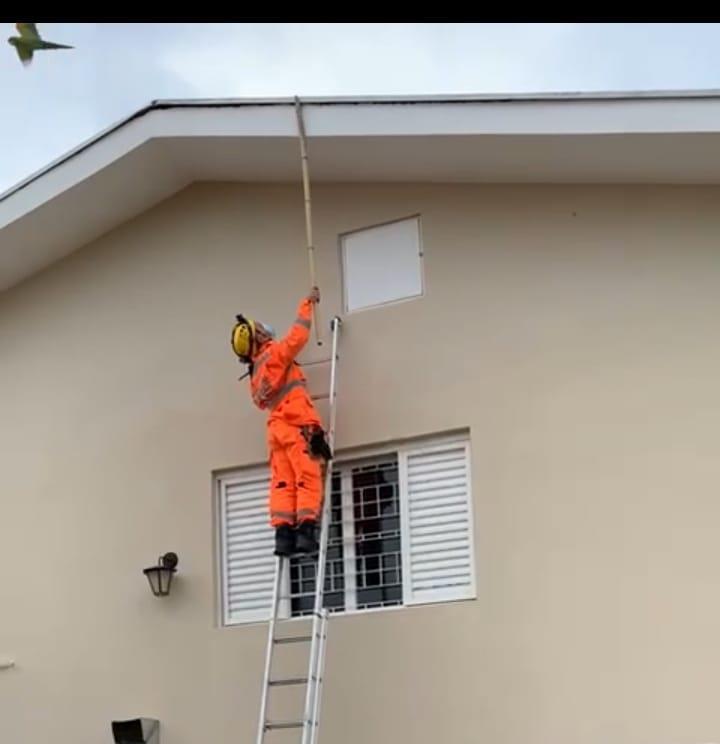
[(278, 385)]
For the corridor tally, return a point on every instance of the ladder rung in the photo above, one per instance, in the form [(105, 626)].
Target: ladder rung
[(288, 682), (293, 639), (270, 725), (320, 396), (316, 362)]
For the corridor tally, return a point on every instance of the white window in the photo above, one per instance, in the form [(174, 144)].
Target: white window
[(400, 534), (382, 264)]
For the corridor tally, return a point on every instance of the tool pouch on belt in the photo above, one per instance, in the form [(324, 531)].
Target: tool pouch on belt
[(318, 445)]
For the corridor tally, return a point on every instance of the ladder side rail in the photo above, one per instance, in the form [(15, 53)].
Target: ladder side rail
[(269, 651), (313, 673)]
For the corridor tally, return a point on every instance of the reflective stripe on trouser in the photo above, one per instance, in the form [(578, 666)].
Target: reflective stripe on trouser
[(296, 485)]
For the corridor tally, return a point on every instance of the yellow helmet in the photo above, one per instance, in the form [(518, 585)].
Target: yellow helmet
[(243, 338)]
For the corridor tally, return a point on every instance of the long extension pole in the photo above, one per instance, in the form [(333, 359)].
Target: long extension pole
[(308, 210)]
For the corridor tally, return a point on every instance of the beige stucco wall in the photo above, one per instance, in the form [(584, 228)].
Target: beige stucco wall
[(573, 329)]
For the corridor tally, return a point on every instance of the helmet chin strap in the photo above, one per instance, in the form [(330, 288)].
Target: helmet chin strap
[(250, 368)]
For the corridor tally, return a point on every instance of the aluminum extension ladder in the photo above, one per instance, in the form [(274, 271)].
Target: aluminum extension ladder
[(310, 721)]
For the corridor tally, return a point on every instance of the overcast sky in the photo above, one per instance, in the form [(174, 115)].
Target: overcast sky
[(64, 97)]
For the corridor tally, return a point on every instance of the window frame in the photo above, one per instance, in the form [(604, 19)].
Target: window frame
[(354, 457)]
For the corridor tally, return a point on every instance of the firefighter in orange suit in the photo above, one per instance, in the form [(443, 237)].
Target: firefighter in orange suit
[(296, 440)]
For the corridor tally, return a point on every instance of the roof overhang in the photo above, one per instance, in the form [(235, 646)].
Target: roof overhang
[(640, 138)]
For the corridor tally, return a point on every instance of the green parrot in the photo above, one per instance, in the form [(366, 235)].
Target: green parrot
[(29, 42)]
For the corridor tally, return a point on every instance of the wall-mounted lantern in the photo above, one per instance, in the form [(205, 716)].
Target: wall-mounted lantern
[(160, 576), (136, 731)]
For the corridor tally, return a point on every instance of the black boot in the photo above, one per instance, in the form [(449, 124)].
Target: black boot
[(305, 537), (284, 540)]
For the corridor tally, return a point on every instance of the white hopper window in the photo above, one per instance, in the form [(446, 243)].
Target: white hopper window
[(382, 264)]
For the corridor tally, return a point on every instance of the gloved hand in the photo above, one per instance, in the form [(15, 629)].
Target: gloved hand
[(318, 444)]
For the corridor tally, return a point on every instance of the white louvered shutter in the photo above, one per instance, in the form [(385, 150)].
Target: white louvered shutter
[(438, 554), (247, 542)]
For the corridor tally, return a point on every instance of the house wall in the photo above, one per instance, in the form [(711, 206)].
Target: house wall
[(572, 329)]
